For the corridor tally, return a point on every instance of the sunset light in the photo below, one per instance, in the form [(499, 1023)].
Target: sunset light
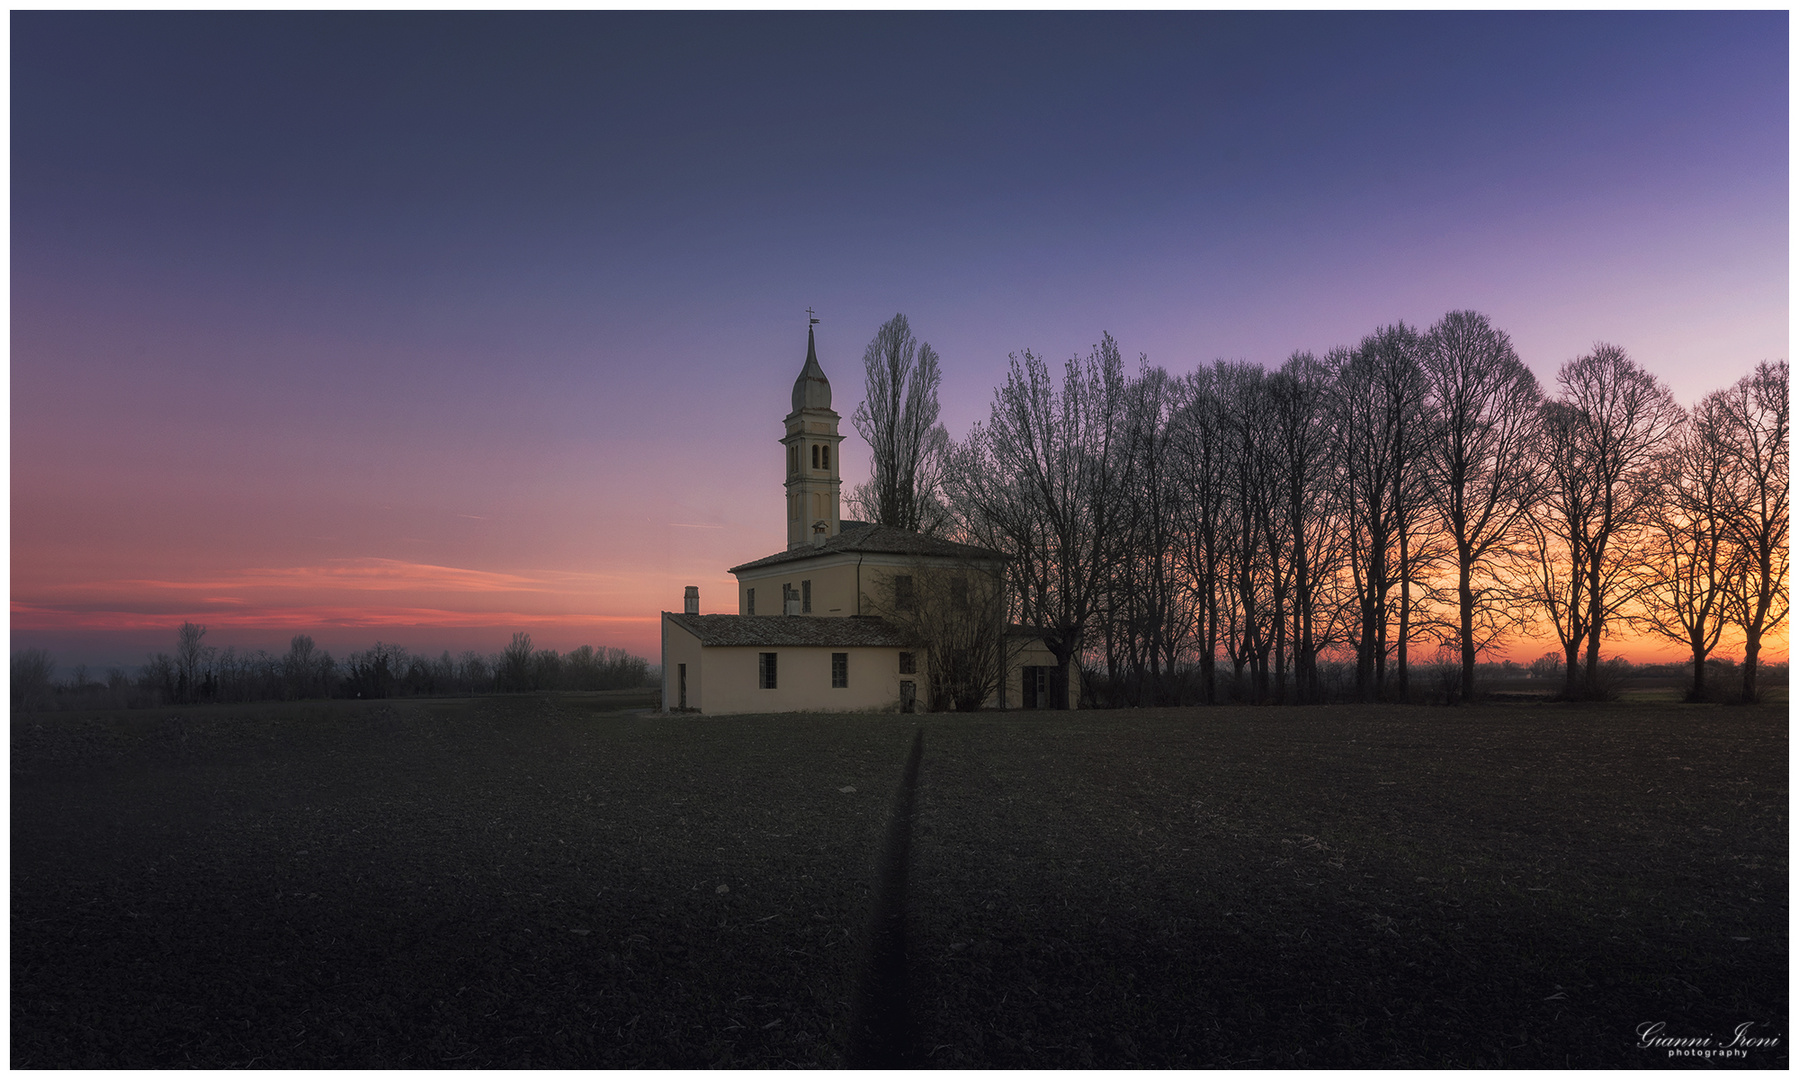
[(363, 334), (899, 539)]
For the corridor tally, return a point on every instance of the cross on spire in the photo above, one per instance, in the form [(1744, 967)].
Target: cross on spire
[(812, 320)]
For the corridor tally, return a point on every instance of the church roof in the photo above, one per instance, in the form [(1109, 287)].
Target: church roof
[(790, 630), (811, 390), (863, 538)]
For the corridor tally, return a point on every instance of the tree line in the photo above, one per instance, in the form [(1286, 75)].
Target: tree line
[(197, 673), (1416, 498)]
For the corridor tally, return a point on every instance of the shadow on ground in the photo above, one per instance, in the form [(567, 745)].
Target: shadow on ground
[(535, 882)]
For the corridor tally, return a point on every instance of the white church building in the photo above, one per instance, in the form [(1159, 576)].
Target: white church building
[(806, 636)]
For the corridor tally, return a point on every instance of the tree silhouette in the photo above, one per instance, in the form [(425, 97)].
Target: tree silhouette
[(898, 420)]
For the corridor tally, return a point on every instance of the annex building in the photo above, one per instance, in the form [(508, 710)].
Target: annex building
[(810, 631)]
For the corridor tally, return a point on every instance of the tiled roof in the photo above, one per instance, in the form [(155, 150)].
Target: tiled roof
[(861, 537), (789, 630)]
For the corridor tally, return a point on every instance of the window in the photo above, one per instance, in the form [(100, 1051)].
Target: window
[(815, 455), (826, 455), (840, 670), (765, 670), (908, 664), (806, 597), (903, 597), (683, 672), (749, 606), (958, 592)]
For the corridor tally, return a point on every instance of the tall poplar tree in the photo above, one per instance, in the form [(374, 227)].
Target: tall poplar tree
[(898, 420)]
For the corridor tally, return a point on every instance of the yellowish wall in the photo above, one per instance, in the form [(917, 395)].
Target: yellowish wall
[(834, 580), (833, 588), (802, 680), (722, 679), (812, 493), (1034, 654), (679, 647)]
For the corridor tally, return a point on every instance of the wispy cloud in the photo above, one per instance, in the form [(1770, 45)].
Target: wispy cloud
[(38, 617), (338, 592), (368, 575)]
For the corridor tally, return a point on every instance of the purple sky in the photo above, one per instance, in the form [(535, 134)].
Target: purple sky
[(433, 327)]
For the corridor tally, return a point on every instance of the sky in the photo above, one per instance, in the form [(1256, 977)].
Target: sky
[(428, 328)]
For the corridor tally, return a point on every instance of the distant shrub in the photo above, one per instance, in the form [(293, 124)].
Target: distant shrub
[(305, 671), (31, 670)]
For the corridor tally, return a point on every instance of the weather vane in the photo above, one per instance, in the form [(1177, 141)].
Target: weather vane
[(813, 319)]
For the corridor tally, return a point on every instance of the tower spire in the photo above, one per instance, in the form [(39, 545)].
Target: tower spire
[(813, 480)]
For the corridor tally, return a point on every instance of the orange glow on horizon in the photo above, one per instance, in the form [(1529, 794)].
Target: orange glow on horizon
[(382, 596), (385, 595)]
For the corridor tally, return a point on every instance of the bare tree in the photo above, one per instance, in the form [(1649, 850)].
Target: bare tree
[(1484, 401), (1684, 594), (898, 420), (1378, 420), (190, 660), (1754, 430), (1197, 445), (376, 671), (1040, 481), (1253, 587), (1300, 471), (301, 668), (1416, 487), (956, 616), (1148, 608), (31, 672), (546, 670), (475, 670), (1556, 529), (514, 670), (1623, 414), (1597, 461)]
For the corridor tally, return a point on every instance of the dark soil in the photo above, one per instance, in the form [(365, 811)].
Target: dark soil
[(538, 882)]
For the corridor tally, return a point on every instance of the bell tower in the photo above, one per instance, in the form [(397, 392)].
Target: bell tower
[(813, 514)]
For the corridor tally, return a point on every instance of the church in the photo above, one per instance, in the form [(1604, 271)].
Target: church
[(831, 623)]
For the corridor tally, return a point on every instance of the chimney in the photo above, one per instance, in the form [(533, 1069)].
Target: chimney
[(818, 534), (692, 600), (793, 605)]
